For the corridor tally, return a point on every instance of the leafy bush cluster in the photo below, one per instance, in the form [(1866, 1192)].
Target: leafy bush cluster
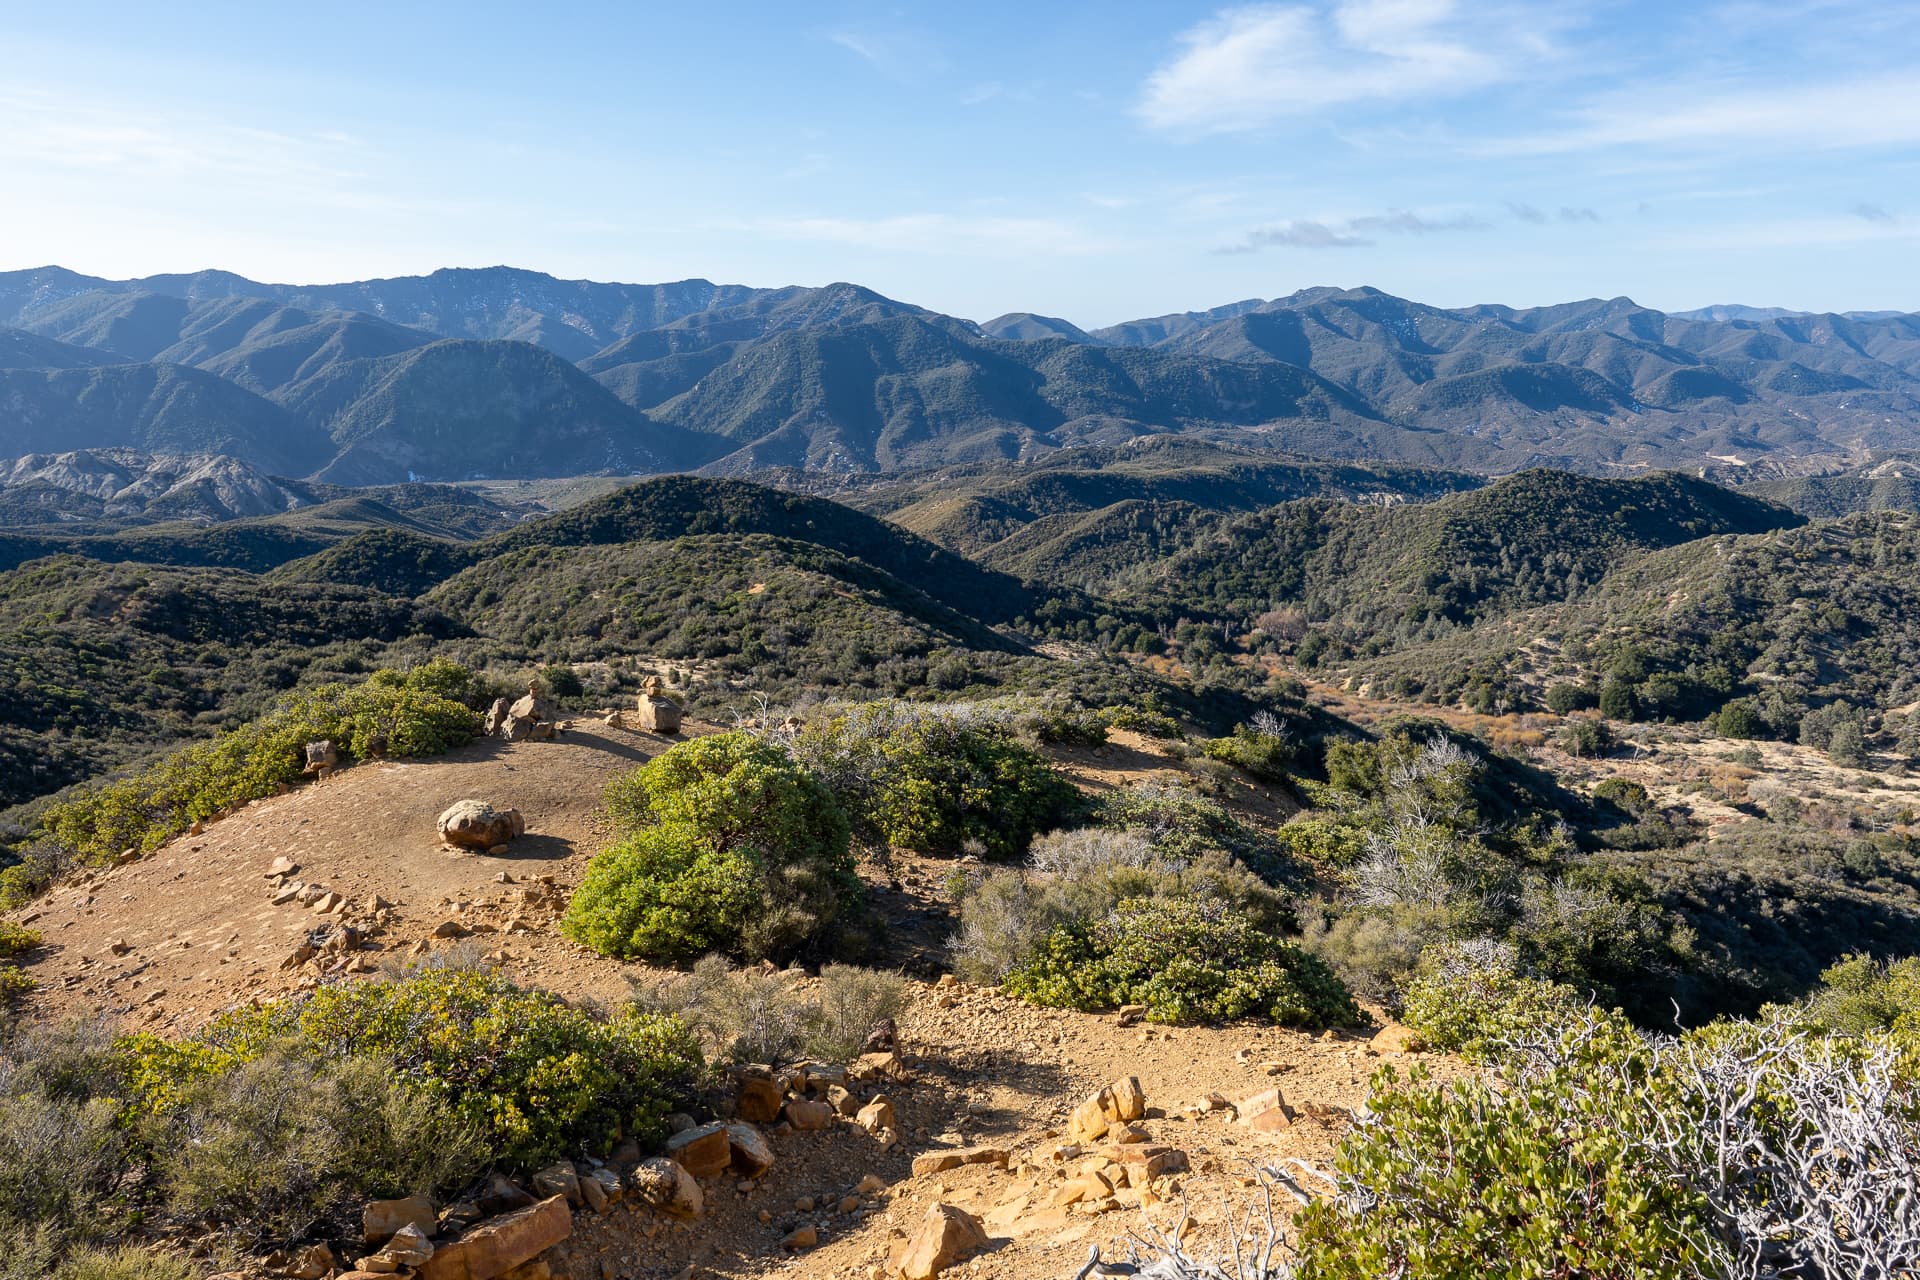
[(1783, 1146), (15, 941), (1264, 748), (1009, 916), (748, 1015), (939, 781), (731, 847), (271, 1122), (1448, 846), (1186, 960), (390, 714)]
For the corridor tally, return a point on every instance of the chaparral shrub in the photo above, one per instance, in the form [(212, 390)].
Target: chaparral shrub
[(744, 853)]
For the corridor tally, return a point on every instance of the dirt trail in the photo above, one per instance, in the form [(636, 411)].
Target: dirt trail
[(200, 934)]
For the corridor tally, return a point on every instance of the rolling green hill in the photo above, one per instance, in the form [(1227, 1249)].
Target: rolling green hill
[(103, 664), (1396, 573)]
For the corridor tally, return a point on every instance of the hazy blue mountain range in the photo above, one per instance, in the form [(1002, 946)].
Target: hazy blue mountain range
[(499, 372)]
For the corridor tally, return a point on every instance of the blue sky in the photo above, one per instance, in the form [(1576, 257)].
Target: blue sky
[(1092, 160)]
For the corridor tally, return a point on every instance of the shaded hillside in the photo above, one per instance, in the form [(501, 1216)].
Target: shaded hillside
[(908, 391), (256, 545), (22, 350), (102, 664), (1893, 485), (1788, 620), (1391, 574), (155, 408), (573, 317), (675, 506), (785, 611), (468, 410), (399, 562), (839, 378), (970, 509)]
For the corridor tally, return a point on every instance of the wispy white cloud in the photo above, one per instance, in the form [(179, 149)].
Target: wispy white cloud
[(1873, 111), (1246, 67), (941, 233), (131, 142), (896, 52)]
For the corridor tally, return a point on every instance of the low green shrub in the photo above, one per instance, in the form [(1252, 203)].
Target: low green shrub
[(14, 984), (128, 1262), (1585, 736), (1545, 1177), (1625, 794), (746, 854), (747, 1015), (1184, 826), (1008, 914), (535, 1076), (16, 940), (1266, 756), (1145, 722), (1324, 840), (1471, 1001), (275, 1145), (388, 714), (1186, 960), (937, 781), (61, 1161)]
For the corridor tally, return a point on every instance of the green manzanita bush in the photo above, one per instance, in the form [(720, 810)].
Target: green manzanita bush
[(938, 783), (538, 1077), (1476, 1010), (1192, 959), (1544, 1177), (395, 714), (747, 855)]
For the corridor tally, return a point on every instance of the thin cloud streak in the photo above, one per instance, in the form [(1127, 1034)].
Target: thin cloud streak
[(1247, 67)]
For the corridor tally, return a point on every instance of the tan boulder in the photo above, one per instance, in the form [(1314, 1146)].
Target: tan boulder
[(752, 1154), (409, 1247), (1129, 1101), (559, 1179), (1089, 1122), (657, 714), (666, 1186), (475, 824), (876, 1115), (1151, 1159), (322, 758), (800, 1238), (757, 1098), (882, 1065), (498, 1245), (946, 1234), (382, 1218), (315, 1262), (809, 1116), (931, 1162), (703, 1151), (1266, 1112), (600, 1188)]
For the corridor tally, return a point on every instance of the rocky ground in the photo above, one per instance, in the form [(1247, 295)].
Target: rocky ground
[(342, 877)]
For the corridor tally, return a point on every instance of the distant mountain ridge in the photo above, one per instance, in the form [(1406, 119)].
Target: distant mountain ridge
[(499, 372)]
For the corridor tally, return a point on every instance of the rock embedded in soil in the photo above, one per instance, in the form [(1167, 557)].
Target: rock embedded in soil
[(477, 825)]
